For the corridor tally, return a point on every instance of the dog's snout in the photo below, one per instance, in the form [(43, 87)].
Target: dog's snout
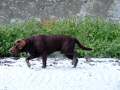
[(11, 50)]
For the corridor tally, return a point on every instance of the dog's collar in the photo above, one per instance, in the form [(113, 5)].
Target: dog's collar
[(27, 45)]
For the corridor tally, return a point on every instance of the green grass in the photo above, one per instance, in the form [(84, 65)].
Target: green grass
[(103, 36)]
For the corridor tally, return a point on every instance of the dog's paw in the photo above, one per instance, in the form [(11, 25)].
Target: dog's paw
[(43, 66), (29, 65)]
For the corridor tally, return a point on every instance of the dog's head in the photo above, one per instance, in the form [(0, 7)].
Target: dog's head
[(17, 47)]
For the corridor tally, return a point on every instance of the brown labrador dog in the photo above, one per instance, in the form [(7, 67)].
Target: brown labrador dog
[(43, 45)]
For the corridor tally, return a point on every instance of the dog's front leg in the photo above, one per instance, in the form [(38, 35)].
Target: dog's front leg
[(44, 59), (27, 60)]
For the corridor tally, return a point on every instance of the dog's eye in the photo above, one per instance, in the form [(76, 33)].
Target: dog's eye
[(18, 41)]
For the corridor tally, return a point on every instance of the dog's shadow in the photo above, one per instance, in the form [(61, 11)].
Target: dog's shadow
[(7, 62), (52, 63)]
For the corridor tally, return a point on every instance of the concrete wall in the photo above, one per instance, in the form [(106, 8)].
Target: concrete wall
[(12, 10)]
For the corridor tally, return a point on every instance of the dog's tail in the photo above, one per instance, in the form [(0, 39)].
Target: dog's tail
[(82, 46)]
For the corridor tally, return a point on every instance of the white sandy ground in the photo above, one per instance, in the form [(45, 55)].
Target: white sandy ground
[(99, 74)]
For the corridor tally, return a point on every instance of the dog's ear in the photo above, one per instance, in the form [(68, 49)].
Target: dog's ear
[(20, 44)]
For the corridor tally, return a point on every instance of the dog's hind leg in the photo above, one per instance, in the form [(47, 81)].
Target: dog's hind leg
[(73, 57), (74, 61)]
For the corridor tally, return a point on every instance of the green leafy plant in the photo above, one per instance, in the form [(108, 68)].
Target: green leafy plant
[(101, 35)]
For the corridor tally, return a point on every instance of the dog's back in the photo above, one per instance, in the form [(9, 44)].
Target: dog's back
[(49, 43)]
